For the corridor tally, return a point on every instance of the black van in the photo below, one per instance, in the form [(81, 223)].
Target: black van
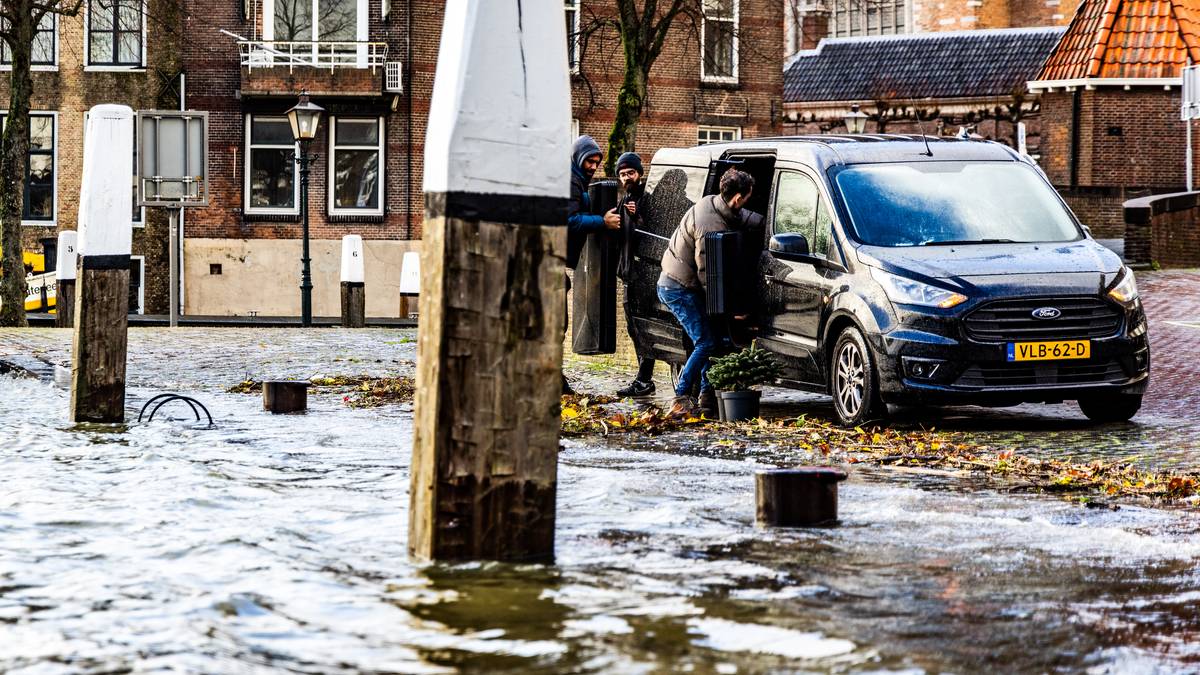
[(894, 269)]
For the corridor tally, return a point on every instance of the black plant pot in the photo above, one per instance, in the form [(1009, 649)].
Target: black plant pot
[(735, 406)]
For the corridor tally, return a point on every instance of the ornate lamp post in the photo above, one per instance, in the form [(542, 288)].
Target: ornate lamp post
[(856, 121), (304, 117)]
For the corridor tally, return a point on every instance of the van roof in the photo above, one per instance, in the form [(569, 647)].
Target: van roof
[(828, 150)]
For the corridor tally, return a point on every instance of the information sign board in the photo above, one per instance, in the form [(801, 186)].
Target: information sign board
[(172, 158)]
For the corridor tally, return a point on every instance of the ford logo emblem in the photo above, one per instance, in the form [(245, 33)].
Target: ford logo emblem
[(1047, 313)]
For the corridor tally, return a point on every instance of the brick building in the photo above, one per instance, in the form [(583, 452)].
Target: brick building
[(809, 21), (109, 53), (949, 80), (370, 64), (1110, 106)]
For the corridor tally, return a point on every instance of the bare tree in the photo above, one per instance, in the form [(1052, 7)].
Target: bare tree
[(640, 30), (19, 21)]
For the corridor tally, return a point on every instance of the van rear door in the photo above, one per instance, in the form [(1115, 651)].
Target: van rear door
[(674, 184)]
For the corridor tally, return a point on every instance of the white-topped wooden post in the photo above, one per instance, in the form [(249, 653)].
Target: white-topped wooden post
[(354, 296), (102, 294), (64, 303), (410, 282), (497, 177)]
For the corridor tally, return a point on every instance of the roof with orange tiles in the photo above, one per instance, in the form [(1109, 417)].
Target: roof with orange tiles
[(1127, 39)]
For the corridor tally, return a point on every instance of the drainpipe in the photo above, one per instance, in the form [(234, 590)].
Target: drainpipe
[(408, 85), (1076, 110)]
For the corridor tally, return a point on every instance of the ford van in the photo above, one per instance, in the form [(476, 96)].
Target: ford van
[(906, 270)]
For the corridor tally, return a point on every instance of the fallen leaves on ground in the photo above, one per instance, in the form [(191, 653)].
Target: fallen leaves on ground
[(889, 447), (359, 391)]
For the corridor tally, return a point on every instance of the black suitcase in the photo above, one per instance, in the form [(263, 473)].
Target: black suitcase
[(594, 286), (723, 273)]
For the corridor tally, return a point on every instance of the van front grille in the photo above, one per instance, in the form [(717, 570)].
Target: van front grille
[(1041, 374), (1013, 320)]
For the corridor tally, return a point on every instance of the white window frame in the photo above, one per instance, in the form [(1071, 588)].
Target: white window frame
[(87, 48), (53, 222), (331, 165), (576, 7), (142, 283), (361, 27), (247, 147), (574, 128), (705, 128), (140, 221), (42, 67), (704, 76)]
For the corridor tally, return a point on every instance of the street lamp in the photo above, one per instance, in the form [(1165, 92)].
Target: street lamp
[(856, 122), (304, 117)]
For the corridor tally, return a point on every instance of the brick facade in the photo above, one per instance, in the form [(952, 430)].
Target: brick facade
[(679, 101), (1103, 146), (216, 82), (69, 89)]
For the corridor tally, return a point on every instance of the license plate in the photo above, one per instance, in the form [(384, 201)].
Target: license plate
[(1049, 351)]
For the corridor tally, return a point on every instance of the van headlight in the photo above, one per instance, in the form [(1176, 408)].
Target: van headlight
[(1124, 290), (908, 292)]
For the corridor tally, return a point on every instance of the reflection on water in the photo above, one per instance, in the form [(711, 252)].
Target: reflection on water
[(278, 543)]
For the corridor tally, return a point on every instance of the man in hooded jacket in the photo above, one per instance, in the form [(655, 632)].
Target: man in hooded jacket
[(585, 160)]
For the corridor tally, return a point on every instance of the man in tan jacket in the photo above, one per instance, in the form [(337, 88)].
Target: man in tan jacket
[(681, 286)]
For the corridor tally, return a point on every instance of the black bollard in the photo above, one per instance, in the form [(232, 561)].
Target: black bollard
[(285, 396), (799, 497)]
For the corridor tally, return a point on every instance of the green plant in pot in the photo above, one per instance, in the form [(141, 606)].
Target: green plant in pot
[(734, 377)]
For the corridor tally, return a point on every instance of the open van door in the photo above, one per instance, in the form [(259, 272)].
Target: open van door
[(675, 182)]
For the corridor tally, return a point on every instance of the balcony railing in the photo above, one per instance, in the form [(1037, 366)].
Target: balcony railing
[(331, 55)]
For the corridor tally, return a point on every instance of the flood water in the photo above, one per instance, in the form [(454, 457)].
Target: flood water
[(277, 543)]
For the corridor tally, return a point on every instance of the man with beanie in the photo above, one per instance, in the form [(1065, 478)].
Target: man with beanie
[(682, 284), (633, 214), (585, 159)]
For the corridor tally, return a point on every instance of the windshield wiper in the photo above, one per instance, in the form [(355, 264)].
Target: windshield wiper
[(954, 242)]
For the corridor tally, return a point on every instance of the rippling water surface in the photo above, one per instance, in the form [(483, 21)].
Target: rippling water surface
[(273, 543)]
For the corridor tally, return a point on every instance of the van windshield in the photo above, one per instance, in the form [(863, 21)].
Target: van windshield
[(940, 203)]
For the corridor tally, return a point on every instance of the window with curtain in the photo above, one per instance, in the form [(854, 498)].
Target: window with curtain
[(271, 180), (356, 165)]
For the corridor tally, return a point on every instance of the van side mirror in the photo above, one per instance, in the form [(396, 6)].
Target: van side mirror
[(1086, 230), (788, 245)]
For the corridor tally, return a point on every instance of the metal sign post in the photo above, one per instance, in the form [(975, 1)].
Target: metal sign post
[(172, 171), (1190, 110)]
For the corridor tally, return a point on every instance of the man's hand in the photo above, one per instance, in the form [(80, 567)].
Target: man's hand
[(612, 221), (631, 207)]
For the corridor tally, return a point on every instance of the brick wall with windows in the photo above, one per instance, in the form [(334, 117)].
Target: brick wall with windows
[(711, 78), (942, 15), (74, 72), (1126, 144), (698, 90)]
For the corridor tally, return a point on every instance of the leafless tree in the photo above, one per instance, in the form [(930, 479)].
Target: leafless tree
[(641, 30), (19, 21)]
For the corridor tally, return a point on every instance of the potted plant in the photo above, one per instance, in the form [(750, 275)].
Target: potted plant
[(734, 375)]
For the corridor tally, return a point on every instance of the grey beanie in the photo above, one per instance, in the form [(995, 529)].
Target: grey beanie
[(585, 146)]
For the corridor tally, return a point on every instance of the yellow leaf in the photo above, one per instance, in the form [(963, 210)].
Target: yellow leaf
[(569, 413)]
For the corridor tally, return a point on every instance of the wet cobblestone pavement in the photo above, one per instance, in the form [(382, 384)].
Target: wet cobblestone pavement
[(277, 543)]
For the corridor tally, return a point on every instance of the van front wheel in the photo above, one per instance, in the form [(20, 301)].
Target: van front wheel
[(853, 381), (1114, 408)]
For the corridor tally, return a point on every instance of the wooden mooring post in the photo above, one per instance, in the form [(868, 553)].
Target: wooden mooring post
[(102, 292), (354, 295), (64, 302), (489, 354)]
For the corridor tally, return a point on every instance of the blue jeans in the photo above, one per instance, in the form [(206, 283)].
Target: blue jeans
[(688, 307)]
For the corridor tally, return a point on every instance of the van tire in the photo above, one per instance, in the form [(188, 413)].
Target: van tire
[(1112, 408), (854, 380)]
